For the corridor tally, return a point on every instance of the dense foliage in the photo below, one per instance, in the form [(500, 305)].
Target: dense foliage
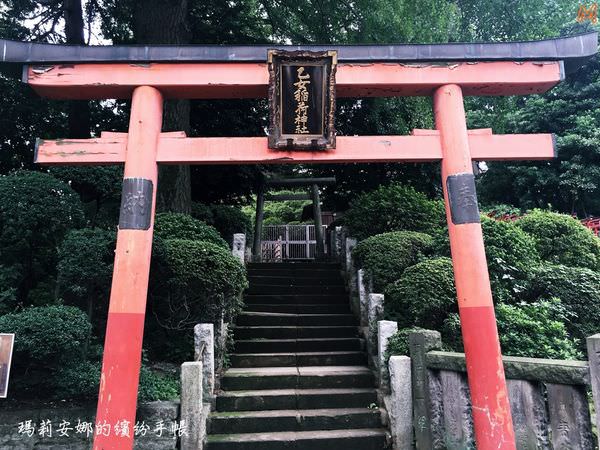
[(36, 210), (192, 281), (46, 338), (385, 256), (579, 291), (423, 296), (511, 255), (561, 239), (393, 208), (526, 329), (227, 219), (182, 226), (85, 265)]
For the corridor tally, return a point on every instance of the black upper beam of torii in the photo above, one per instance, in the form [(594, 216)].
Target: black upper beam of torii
[(314, 183)]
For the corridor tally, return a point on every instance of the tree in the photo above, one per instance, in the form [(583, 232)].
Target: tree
[(47, 17), (571, 183)]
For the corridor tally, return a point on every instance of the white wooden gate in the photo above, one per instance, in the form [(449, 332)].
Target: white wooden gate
[(285, 242)]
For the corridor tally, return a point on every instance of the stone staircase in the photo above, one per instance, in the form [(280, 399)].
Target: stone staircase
[(299, 378)]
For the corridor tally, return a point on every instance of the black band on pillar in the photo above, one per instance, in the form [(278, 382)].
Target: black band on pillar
[(462, 198), (136, 204)]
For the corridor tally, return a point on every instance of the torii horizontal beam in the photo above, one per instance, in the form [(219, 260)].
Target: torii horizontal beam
[(287, 197), (423, 146), (282, 182), (250, 80)]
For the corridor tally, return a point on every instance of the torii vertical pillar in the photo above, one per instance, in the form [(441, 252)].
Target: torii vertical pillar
[(489, 395), (125, 328)]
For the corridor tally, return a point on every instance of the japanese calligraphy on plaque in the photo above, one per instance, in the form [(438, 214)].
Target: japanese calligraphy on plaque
[(302, 100)]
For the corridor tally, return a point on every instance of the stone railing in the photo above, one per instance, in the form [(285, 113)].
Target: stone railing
[(427, 397), (548, 398)]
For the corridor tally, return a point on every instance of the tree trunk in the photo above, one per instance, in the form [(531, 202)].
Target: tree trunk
[(79, 110), (165, 22)]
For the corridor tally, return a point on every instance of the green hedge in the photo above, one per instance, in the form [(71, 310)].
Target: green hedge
[(85, 266), (181, 226), (423, 296), (393, 208), (511, 255), (36, 211), (562, 239), (578, 289), (191, 282), (535, 330), (384, 257), (47, 339)]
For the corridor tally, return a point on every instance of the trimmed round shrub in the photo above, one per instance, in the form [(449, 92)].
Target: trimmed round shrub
[(423, 296), (181, 226), (203, 275), (36, 210), (511, 255), (191, 282), (45, 334), (385, 256), (535, 330), (202, 212), (47, 339), (578, 289), (393, 208), (562, 239)]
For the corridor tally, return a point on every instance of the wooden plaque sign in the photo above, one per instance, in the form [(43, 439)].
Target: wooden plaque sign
[(6, 348), (302, 99)]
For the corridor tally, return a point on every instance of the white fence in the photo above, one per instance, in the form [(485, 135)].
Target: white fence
[(285, 242)]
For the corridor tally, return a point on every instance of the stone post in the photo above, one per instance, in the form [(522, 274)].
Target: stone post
[(401, 403), (420, 342), (363, 296), (385, 330), (351, 275), (239, 247), (204, 351), (375, 314), (191, 406), (337, 243), (593, 350)]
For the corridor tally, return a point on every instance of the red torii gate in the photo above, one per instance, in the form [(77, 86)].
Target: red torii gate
[(444, 71)]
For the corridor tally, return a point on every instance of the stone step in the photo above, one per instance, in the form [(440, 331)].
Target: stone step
[(260, 400), (311, 265), (335, 308), (316, 377), (282, 319), (296, 281), (362, 439), (271, 289), (292, 299), (294, 332), (328, 274), (293, 420), (298, 359), (298, 345)]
